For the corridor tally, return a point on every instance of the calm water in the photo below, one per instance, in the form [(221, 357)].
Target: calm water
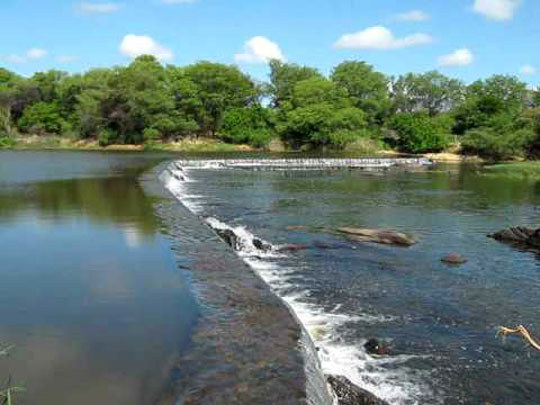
[(439, 321), (90, 294)]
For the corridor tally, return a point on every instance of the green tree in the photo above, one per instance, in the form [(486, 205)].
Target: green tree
[(431, 92), (42, 118), (420, 133), (366, 88), (218, 88), (283, 80)]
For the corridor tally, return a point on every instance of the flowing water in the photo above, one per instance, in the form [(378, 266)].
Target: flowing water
[(101, 309), (439, 321)]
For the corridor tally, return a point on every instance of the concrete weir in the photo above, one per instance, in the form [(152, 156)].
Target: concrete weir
[(299, 164)]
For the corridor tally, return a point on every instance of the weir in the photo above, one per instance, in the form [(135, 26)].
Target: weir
[(310, 163)]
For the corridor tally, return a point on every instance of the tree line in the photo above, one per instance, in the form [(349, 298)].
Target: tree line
[(147, 102)]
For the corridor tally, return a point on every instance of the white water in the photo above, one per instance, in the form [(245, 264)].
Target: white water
[(337, 357)]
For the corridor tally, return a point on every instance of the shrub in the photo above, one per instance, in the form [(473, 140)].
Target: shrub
[(42, 118), (499, 146), (107, 136), (151, 135), (419, 133), (247, 125), (6, 141)]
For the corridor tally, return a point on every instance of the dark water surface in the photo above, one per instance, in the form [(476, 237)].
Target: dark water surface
[(90, 293), (440, 321)]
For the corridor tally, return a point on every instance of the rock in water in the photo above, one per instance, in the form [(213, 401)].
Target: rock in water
[(350, 394), (454, 258), (384, 236), (229, 237), (374, 346), (261, 245), (519, 236)]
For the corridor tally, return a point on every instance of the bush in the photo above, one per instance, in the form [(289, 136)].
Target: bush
[(151, 135), (247, 125), (6, 141), (42, 118), (107, 136), (419, 133), (490, 144)]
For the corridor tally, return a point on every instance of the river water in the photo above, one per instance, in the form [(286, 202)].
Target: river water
[(90, 294), (101, 310), (439, 322)]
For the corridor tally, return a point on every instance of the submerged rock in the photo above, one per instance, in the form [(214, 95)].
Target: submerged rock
[(454, 258), (383, 236), (520, 235), (374, 346), (350, 394), (261, 245)]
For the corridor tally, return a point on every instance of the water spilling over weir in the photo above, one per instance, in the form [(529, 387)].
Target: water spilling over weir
[(176, 176)]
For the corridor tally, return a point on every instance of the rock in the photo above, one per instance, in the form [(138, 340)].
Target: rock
[(229, 237), (291, 248), (454, 258), (261, 245), (297, 228), (374, 346), (350, 394), (519, 236), (384, 236)]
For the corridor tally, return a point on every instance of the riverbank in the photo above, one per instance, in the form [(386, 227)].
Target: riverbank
[(209, 145)]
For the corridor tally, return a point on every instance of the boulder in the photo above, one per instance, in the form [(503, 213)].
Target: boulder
[(374, 346), (384, 236), (261, 245), (229, 237), (349, 394), (528, 237), (454, 259)]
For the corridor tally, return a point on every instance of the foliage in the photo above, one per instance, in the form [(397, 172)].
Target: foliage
[(419, 133), (247, 125), (148, 102), (431, 92), (498, 146), (41, 118), (365, 88)]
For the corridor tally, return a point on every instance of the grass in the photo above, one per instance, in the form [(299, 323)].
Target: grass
[(516, 170), (6, 394)]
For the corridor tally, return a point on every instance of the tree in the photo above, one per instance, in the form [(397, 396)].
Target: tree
[(42, 118), (218, 88), (420, 133), (366, 88), (496, 102), (284, 78), (430, 92)]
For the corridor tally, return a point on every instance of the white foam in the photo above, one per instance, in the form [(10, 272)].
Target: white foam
[(397, 386)]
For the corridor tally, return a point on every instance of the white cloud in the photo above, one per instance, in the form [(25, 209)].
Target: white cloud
[(528, 70), (460, 57), (30, 55), (259, 50), (137, 45), (98, 8), (414, 15), (497, 9), (379, 37), (66, 58)]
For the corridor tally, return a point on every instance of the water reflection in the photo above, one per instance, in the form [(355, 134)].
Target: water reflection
[(90, 293)]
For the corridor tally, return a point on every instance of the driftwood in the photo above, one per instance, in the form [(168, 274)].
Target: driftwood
[(520, 330)]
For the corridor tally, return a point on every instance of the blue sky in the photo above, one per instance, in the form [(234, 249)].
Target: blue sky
[(467, 39)]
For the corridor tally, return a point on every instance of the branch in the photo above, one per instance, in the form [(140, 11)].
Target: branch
[(520, 330)]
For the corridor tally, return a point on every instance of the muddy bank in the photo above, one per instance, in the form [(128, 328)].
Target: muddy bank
[(247, 347)]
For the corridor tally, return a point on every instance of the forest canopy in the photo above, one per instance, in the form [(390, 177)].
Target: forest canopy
[(147, 102)]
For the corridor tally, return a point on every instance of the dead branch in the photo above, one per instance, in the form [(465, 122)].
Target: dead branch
[(520, 330)]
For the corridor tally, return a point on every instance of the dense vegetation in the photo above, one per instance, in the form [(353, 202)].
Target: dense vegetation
[(147, 102)]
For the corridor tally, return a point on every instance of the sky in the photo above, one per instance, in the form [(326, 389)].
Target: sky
[(466, 39)]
